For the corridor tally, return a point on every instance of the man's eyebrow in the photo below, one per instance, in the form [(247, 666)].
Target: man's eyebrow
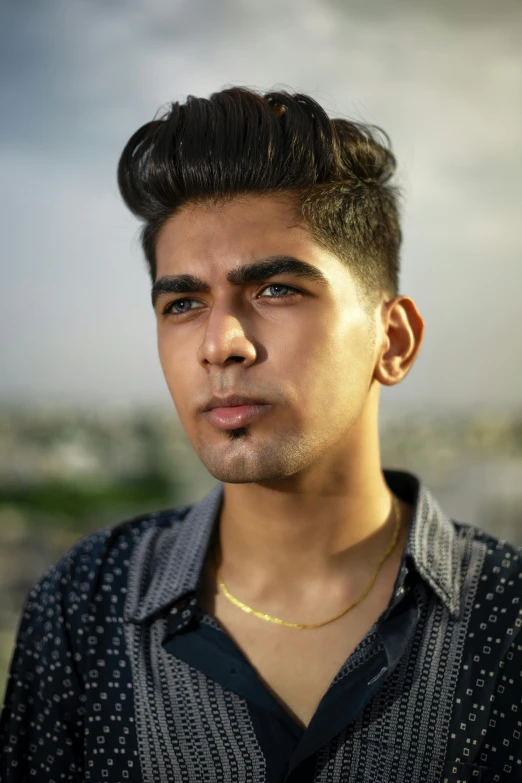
[(241, 275)]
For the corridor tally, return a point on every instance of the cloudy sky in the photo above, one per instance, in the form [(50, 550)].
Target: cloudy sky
[(77, 77)]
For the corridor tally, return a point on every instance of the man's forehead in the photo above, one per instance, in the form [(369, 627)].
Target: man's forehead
[(242, 229), (192, 243)]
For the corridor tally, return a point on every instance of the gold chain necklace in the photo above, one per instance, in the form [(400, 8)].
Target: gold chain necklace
[(276, 620)]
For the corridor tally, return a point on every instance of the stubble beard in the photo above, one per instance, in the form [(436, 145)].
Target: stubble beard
[(242, 458)]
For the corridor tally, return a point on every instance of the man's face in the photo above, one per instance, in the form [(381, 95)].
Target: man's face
[(305, 347)]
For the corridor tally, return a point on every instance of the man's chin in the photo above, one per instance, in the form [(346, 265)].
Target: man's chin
[(241, 456), (238, 471), (240, 475)]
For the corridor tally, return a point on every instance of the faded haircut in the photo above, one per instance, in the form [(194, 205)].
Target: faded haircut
[(334, 173)]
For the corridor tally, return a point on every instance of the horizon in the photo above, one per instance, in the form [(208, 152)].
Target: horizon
[(445, 84)]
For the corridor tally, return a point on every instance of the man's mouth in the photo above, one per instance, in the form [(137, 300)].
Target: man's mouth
[(226, 418)]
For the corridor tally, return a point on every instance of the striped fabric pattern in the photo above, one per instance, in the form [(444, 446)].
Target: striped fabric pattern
[(95, 695)]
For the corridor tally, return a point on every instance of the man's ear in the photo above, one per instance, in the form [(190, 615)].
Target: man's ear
[(403, 332)]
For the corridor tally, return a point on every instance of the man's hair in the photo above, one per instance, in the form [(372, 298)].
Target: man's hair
[(334, 172)]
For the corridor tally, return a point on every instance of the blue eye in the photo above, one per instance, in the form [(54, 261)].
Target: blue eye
[(280, 285), (170, 307)]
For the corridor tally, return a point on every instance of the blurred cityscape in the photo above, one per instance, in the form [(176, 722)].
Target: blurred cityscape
[(65, 473)]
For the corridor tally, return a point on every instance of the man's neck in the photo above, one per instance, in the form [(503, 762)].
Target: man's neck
[(293, 538)]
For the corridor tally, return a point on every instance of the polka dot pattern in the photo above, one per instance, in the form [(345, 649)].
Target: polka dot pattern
[(94, 696)]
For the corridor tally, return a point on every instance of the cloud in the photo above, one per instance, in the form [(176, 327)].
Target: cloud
[(79, 77)]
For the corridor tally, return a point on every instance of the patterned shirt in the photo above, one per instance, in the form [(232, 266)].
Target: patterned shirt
[(119, 675)]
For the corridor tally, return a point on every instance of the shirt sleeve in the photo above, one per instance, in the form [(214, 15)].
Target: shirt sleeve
[(41, 723)]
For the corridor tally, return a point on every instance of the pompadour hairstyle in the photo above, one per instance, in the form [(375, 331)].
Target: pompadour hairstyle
[(239, 141)]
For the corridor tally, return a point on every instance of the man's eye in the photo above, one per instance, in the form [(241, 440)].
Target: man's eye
[(179, 306), (280, 285), (169, 309)]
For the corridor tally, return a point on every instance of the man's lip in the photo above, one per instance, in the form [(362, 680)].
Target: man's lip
[(231, 400), (231, 416)]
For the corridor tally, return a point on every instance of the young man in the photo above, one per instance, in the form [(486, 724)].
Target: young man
[(314, 617)]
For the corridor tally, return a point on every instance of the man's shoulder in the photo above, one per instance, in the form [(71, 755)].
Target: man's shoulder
[(500, 574), (124, 535), (103, 555), (496, 549)]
